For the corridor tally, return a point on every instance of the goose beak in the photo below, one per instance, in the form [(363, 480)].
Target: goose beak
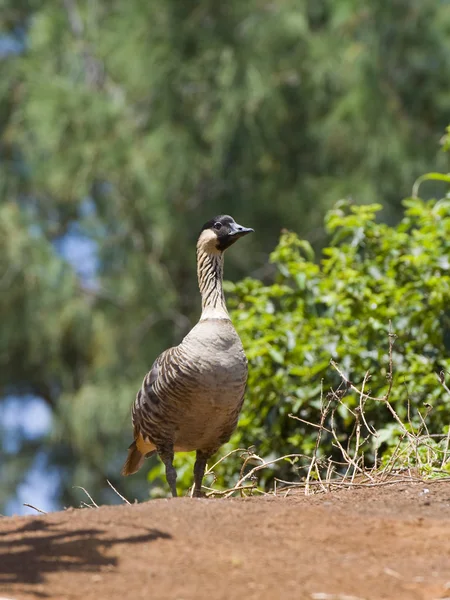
[(238, 231)]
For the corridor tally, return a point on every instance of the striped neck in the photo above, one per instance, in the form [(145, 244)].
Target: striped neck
[(210, 276)]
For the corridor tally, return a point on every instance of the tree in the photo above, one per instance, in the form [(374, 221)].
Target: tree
[(126, 125)]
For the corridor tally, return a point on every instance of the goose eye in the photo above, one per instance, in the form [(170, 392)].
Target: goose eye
[(217, 225)]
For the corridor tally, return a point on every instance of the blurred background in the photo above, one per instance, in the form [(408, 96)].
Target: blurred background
[(124, 126)]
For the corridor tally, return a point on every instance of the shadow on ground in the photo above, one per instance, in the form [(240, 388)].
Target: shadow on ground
[(40, 547)]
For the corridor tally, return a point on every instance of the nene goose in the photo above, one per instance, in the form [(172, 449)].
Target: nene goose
[(192, 396)]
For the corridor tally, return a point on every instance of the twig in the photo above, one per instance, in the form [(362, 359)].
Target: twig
[(323, 415), (390, 376), (358, 434), (329, 473), (348, 459), (384, 399), (336, 483), (87, 494), (211, 469), (393, 457), (441, 379), (118, 493), (429, 409), (34, 508), (291, 416), (226, 493), (259, 467), (362, 404), (250, 456)]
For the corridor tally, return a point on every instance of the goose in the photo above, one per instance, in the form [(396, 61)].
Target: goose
[(191, 398)]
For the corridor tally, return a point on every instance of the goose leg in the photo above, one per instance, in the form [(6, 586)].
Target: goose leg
[(166, 455), (199, 471)]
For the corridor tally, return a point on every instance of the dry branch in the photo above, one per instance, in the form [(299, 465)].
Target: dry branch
[(119, 494), (88, 495), (35, 508)]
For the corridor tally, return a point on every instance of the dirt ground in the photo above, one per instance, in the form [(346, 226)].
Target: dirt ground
[(363, 543)]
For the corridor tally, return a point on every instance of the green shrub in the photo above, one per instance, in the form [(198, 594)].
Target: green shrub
[(340, 308)]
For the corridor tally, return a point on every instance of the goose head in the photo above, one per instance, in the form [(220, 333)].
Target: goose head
[(220, 233)]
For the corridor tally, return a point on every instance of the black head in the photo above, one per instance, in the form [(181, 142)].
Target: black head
[(226, 230)]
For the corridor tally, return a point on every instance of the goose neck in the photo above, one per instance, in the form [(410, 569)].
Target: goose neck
[(210, 281)]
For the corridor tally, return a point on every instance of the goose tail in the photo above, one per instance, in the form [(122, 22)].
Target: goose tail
[(134, 460)]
